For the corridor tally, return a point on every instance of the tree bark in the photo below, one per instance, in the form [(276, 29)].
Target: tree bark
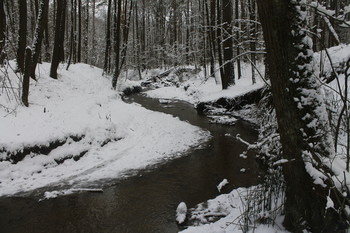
[(108, 38), (38, 37), (22, 34), (238, 39), (229, 72), (298, 102), (58, 50), (79, 30), (26, 76), (86, 39), (72, 41), (117, 44), (93, 39), (252, 37), (2, 32), (219, 37)]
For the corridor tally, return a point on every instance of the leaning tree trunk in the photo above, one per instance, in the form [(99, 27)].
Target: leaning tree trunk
[(22, 34), (38, 36), (301, 117), (58, 50)]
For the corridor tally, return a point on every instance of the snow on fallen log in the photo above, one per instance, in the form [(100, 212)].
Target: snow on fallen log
[(181, 212), (222, 184), (57, 193)]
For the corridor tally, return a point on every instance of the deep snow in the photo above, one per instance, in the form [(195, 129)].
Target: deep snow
[(81, 103), (202, 89)]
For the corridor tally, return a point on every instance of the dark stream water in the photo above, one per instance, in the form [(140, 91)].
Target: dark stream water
[(145, 202)]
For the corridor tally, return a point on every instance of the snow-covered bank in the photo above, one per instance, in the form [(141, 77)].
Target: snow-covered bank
[(225, 213), (114, 137), (199, 89)]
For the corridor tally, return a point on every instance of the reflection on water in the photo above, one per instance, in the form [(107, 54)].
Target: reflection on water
[(146, 202)]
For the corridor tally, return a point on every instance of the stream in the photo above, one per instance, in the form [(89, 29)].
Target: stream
[(146, 202)]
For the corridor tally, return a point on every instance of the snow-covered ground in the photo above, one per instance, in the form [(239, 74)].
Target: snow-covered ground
[(89, 118), (201, 89), (225, 214)]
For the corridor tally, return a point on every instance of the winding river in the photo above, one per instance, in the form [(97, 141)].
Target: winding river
[(146, 202)]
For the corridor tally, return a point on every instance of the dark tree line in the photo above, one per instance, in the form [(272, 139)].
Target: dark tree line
[(217, 35)]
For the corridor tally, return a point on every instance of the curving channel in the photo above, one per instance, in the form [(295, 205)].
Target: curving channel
[(145, 202)]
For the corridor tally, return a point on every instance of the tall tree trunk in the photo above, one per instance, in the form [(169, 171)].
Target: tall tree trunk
[(238, 39), (38, 36), (72, 42), (22, 34), (33, 17), (26, 76), (58, 50), (137, 33), (86, 39), (175, 41), (229, 72), (2, 31), (93, 39), (79, 30), (219, 37), (301, 117), (252, 36), (188, 32), (117, 44), (143, 39), (11, 19), (126, 36), (47, 38), (108, 38)]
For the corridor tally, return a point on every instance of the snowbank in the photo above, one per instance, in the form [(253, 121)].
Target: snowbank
[(198, 89), (102, 136), (228, 210)]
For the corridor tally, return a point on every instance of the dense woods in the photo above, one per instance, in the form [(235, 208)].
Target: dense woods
[(218, 37), (138, 35)]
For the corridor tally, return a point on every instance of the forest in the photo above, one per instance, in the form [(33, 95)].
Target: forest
[(220, 115)]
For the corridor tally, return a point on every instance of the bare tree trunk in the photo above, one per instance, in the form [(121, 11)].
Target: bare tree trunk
[(58, 50), (86, 39), (219, 37), (22, 34), (252, 36), (108, 39), (126, 36), (26, 76), (229, 72), (47, 38), (138, 45), (71, 49), (38, 37), (79, 30), (93, 39), (2, 32), (238, 39), (117, 44)]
